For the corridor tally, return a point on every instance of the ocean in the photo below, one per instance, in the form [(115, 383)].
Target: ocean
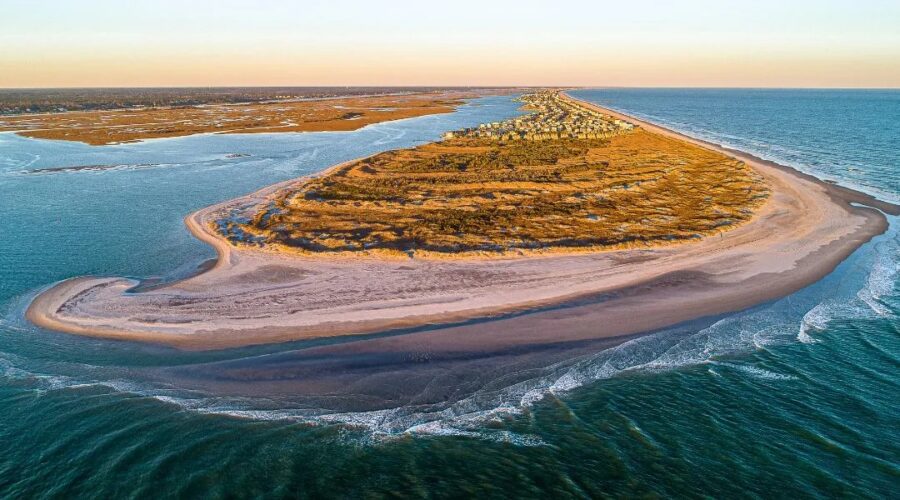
[(797, 397)]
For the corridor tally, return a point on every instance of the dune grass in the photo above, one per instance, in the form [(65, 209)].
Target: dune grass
[(477, 195)]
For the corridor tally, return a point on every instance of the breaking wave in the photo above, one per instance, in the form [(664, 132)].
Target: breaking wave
[(844, 295), (862, 302), (772, 324), (757, 372), (882, 278)]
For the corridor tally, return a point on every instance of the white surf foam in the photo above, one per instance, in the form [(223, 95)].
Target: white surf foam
[(757, 372), (774, 324), (882, 278), (816, 318), (851, 301)]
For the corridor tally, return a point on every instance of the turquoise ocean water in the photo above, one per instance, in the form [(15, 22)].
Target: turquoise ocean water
[(793, 398)]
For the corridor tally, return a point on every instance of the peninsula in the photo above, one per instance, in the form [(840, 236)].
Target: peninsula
[(567, 202)]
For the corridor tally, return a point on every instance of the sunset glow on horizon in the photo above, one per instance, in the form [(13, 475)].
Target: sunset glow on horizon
[(696, 44)]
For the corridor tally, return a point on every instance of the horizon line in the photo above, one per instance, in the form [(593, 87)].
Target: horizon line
[(577, 87)]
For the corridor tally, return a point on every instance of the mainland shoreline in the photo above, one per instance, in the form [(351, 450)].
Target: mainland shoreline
[(336, 113), (800, 235)]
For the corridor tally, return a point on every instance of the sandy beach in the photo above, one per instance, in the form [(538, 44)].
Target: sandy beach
[(805, 229)]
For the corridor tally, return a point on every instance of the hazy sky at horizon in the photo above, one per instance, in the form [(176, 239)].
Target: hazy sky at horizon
[(766, 43)]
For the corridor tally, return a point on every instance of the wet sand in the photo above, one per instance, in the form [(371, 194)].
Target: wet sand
[(459, 308)]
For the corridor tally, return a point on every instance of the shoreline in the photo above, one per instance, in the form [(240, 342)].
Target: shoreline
[(847, 193), (811, 222), (283, 116)]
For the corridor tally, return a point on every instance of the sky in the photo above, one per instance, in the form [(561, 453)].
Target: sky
[(643, 43)]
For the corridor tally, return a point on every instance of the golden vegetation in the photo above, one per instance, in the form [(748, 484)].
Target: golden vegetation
[(475, 194), (117, 126)]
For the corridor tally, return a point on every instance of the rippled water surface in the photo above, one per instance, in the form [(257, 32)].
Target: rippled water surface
[(796, 397)]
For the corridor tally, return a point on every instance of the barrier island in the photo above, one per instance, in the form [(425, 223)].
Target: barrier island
[(568, 224)]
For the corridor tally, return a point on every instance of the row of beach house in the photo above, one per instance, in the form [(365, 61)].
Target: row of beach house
[(554, 118)]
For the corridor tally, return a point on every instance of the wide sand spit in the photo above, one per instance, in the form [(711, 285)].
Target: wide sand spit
[(252, 296)]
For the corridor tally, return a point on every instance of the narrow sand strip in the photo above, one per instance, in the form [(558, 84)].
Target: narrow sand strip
[(251, 297)]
